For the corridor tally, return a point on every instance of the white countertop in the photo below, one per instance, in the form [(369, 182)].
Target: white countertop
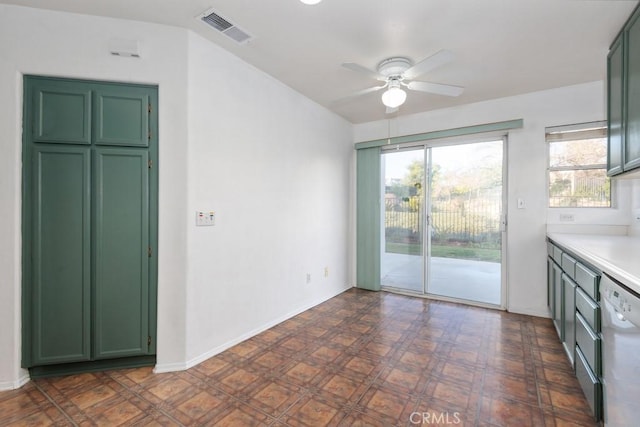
[(618, 256)]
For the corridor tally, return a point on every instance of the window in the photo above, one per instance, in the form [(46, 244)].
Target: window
[(578, 166)]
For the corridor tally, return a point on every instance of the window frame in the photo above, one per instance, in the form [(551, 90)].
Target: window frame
[(574, 132)]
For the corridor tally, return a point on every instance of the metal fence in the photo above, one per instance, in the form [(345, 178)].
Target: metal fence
[(460, 218), (570, 190)]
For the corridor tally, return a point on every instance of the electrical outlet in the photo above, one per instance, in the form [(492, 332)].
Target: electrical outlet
[(326, 272), (308, 277), (567, 217)]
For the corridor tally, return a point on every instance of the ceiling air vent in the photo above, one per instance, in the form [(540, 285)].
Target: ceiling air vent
[(224, 26)]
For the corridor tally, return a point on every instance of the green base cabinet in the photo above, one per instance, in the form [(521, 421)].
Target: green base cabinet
[(89, 223), (573, 291)]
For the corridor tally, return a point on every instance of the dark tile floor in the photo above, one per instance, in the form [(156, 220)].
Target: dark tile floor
[(362, 358)]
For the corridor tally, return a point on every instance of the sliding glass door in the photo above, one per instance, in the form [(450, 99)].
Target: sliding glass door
[(466, 222), (442, 231), (402, 239)]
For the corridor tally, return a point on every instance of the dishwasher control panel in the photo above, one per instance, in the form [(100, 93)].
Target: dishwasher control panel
[(625, 302)]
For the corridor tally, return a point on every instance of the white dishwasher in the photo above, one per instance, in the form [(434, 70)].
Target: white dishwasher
[(620, 353)]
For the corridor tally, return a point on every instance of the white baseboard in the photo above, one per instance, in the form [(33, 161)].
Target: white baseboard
[(174, 367), (529, 312), (169, 367), (12, 385)]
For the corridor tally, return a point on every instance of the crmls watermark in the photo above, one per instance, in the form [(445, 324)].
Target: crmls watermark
[(422, 418)]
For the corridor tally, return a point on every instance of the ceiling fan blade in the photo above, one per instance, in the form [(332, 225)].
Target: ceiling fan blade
[(364, 70), (359, 93), (437, 88), (437, 59)]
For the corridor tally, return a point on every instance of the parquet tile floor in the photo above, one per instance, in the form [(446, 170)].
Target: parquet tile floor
[(360, 359)]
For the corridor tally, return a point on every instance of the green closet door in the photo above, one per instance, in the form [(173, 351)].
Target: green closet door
[(121, 253), (60, 230), (90, 156)]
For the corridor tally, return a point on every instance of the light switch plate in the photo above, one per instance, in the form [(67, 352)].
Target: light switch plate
[(205, 218)]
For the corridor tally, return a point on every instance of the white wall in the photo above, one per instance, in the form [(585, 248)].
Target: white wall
[(634, 218), (275, 168), (527, 165)]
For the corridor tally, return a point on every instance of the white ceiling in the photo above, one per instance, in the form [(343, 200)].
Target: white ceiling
[(501, 47)]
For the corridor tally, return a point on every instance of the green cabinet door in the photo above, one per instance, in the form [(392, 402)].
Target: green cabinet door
[(632, 49), (615, 93), (121, 257), (60, 254), (550, 278), (122, 116), (569, 313), (61, 113), (558, 302)]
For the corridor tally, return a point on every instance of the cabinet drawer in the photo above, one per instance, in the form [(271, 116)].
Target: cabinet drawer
[(569, 265), (589, 382), (589, 343), (588, 281), (589, 309), (550, 249), (557, 255)]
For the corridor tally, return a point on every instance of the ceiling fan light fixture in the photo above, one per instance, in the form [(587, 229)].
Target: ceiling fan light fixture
[(394, 97), (310, 1)]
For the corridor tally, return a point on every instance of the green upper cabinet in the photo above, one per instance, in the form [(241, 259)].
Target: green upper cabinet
[(62, 114), (623, 84), (615, 67), (122, 117), (632, 52)]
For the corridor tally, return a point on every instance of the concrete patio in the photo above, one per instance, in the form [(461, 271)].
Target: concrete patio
[(455, 278)]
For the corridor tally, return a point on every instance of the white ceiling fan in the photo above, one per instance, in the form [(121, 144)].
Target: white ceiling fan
[(399, 72)]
